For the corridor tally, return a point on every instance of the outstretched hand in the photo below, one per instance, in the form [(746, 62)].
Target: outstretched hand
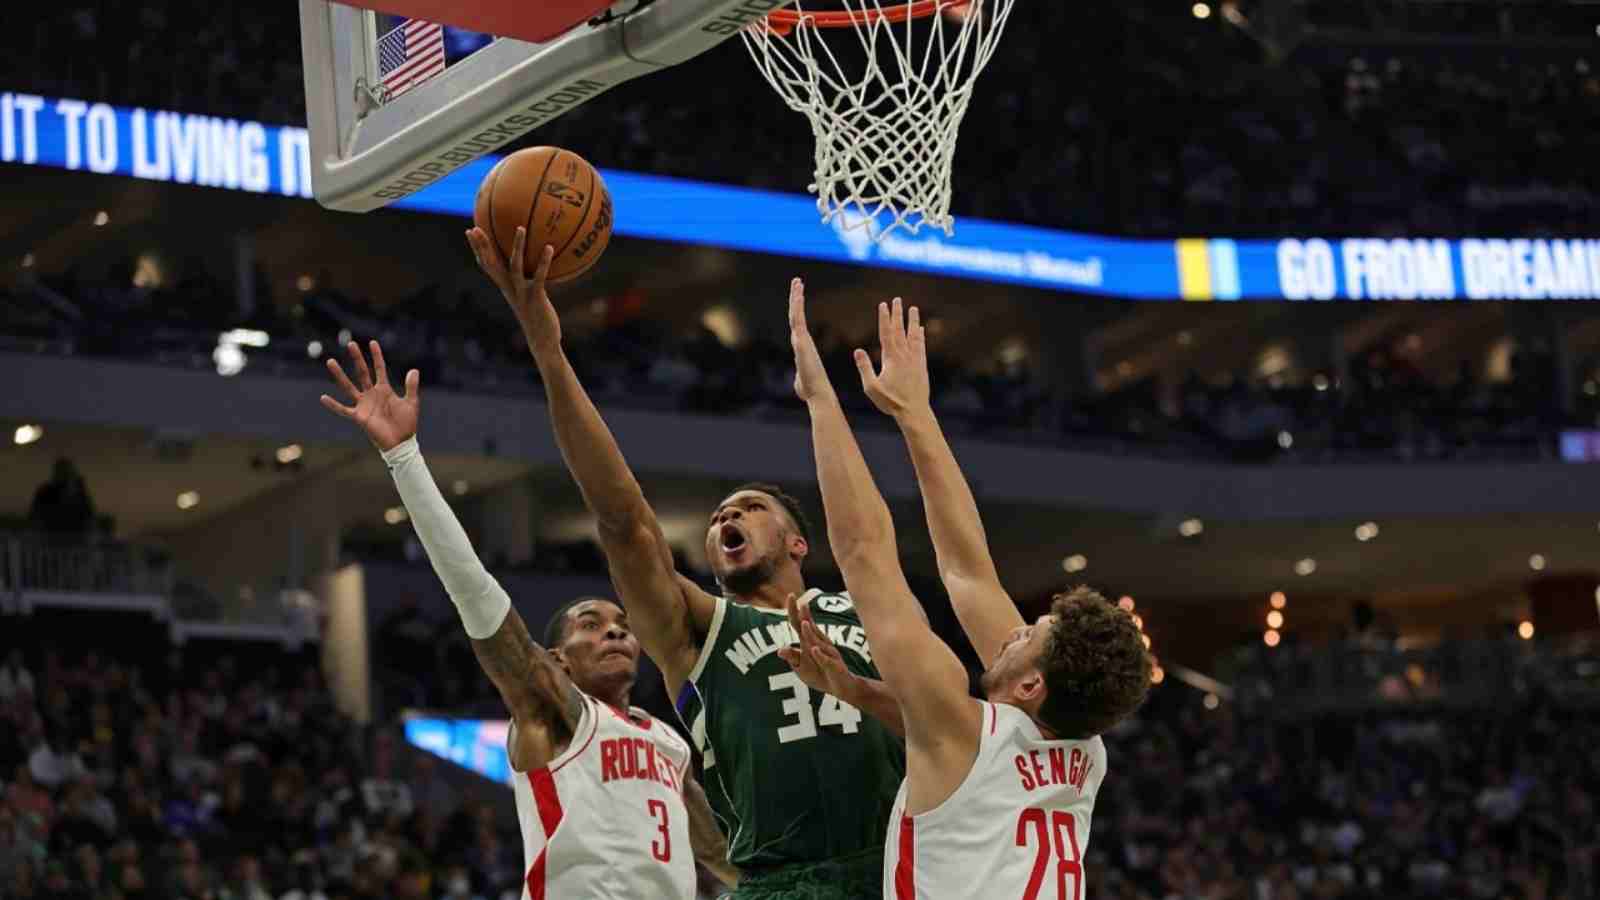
[(815, 659), (810, 378), (900, 385), (387, 418), (527, 297)]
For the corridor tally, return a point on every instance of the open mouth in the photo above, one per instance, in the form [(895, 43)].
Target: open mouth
[(733, 540), (615, 652)]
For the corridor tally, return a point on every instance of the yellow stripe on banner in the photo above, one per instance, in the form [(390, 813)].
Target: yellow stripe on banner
[(1194, 269)]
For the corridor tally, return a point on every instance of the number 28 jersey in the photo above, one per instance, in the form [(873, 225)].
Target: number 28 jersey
[(797, 775), (1016, 828), (605, 819)]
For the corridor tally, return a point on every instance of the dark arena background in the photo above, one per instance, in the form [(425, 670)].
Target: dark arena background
[(1272, 320)]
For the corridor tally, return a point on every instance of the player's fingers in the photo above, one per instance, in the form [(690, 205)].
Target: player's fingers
[(546, 256), (380, 367), (334, 406), (828, 662), (517, 266), (897, 323), (358, 364), (413, 386), (869, 378), (339, 378), (914, 328), (797, 306), (791, 608)]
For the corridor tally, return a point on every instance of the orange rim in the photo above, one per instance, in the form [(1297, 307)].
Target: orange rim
[(782, 21)]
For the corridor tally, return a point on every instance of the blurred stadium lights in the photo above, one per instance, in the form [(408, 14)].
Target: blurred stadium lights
[(1537, 562), (1305, 567), (188, 500), (289, 453), (27, 434), (1274, 619), (1201, 10), (1191, 527), (1525, 630), (1366, 531), (1271, 637), (1077, 562), (1279, 600), (229, 358)]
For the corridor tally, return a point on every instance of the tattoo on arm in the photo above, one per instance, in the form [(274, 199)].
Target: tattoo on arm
[(709, 843), (532, 683)]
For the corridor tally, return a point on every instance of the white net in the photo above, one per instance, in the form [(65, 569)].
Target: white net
[(885, 114)]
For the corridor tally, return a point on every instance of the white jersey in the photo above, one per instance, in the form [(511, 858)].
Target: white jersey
[(1017, 827), (605, 820)]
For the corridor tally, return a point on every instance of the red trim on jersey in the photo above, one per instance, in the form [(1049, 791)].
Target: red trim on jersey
[(994, 716), (905, 877), (592, 732), (549, 804)]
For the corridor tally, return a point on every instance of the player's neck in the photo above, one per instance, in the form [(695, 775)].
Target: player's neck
[(775, 593)]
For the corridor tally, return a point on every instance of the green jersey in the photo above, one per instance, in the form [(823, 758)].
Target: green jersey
[(798, 775)]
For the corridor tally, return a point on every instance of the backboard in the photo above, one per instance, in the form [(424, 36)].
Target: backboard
[(369, 148)]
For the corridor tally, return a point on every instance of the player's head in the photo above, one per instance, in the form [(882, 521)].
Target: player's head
[(755, 533), (591, 638), (1077, 670)]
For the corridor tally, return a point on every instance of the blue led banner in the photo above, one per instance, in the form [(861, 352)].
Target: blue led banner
[(471, 744), (250, 156)]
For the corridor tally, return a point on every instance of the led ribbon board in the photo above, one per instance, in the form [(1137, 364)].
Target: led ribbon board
[(181, 148)]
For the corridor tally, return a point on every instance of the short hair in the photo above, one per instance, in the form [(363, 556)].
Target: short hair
[(1095, 664), (790, 505), (555, 630)]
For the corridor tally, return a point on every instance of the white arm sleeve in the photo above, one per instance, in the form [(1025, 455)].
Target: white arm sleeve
[(481, 601)]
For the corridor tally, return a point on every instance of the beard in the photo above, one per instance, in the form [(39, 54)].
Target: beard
[(748, 580)]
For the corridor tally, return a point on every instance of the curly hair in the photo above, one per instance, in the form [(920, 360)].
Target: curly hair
[(1095, 664)]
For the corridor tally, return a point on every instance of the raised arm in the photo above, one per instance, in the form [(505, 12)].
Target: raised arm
[(900, 390), (544, 704), (710, 845), (941, 720), (668, 611)]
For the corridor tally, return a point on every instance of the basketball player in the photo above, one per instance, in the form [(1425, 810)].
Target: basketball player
[(803, 781), (603, 792), (998, 793)]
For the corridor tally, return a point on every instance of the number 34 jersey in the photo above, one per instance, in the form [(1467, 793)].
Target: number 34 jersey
[(798, 775), (605, 820), (1016, 828)]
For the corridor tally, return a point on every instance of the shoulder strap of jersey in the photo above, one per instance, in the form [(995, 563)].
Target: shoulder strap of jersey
[(709, 645), (581, 733)]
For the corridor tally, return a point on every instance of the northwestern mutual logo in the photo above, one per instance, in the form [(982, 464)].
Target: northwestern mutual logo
[(863, 238)]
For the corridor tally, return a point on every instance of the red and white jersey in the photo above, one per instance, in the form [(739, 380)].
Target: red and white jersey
[(605, 820), (1016, 828)]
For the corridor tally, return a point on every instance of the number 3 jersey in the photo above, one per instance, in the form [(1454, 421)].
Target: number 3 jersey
[(605, 820), (1016, 828), (797, 775)]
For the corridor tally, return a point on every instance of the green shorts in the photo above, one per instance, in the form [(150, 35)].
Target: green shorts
[(858, 877)]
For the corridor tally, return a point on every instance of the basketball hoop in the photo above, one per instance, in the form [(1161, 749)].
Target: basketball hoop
[(886, 128)]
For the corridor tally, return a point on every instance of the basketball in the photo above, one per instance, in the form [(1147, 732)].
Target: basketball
[(558, 197)]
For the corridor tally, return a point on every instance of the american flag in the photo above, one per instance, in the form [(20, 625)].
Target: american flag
[(410, 55)]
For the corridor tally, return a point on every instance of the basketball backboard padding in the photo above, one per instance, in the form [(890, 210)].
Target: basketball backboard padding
[(535, 21), (368, 151)]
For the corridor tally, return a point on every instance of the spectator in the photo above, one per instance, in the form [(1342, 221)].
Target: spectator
[(61, 506)]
